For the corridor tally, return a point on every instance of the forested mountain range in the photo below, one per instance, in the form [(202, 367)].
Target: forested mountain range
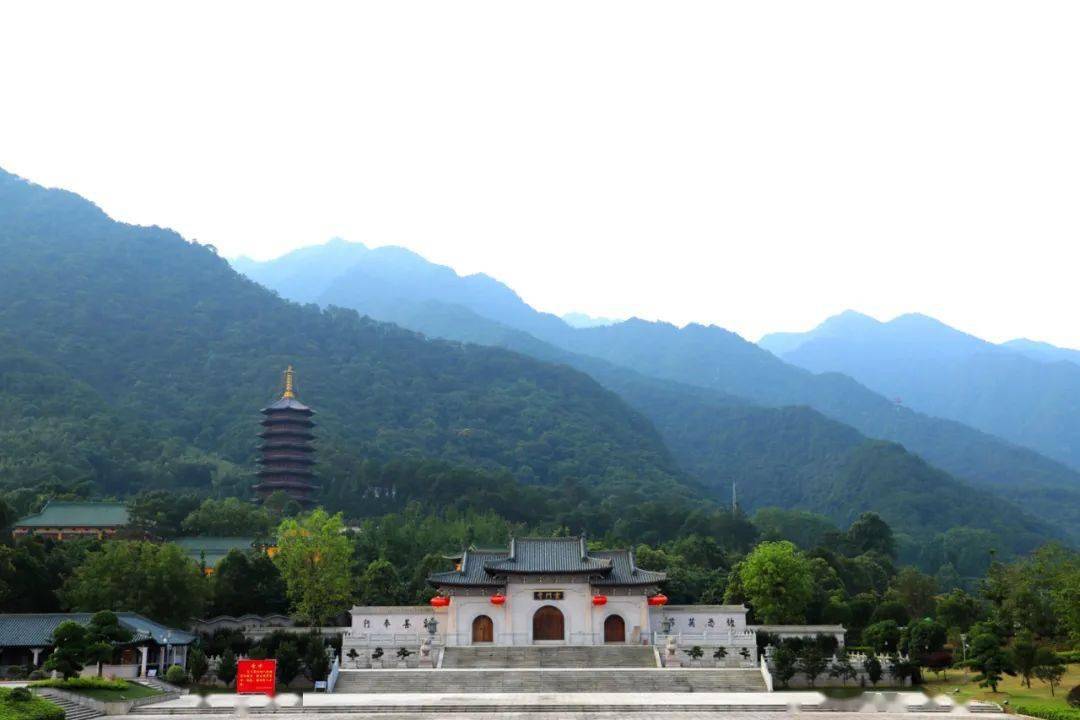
[(793, 456), (1006, 390), (134, 359)]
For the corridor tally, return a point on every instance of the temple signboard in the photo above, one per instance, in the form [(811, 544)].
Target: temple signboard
[(256, 677)]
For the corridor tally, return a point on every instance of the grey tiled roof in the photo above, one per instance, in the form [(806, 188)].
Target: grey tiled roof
[(36, 629), (549, 555), (534, 556), (625, 572), (472, 571), (289, 403)]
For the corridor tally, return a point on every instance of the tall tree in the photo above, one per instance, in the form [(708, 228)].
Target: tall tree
[(314, 557), (103, 634), (228, 517), (157, 580), (989, 657), (1049, 668), (380, 584), (159, 513), (777, 580), (247, 582), (869, 533), (69, 648), (226, 667), (916, 591)]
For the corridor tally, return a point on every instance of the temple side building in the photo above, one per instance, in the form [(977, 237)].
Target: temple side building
[(68, 520), (287, 457)]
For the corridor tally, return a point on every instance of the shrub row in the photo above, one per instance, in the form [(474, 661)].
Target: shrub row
[(19, 704), (84, 683), (1047, 711)]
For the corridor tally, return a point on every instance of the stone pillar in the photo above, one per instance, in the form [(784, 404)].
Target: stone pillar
[(37, 654), (144, 651)]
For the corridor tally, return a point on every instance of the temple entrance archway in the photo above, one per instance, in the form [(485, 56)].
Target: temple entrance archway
[(483, 630), (614, 629), (548, 624)]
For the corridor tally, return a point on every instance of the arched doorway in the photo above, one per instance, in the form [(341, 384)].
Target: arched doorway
[(548, 624), (614, 629), (483, 630)]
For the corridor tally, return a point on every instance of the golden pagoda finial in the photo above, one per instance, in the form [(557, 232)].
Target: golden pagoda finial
[(289, 383)]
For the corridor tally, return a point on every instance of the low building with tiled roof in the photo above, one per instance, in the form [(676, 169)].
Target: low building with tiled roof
[(26, 639), (209, 551), (69, 519)]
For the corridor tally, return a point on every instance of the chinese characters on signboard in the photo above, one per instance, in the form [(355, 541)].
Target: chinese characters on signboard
[(256, 677), (548, 595)]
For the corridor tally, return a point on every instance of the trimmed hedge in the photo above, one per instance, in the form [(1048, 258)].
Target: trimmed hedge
[(1047, 711), (15, 706), (83, 683), (1069, 656)]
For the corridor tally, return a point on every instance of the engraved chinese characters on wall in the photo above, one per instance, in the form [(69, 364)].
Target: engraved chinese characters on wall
[(548, 595)]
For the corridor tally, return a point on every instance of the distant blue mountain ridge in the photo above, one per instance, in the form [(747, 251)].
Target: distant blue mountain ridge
[(697, 383), (1024, 391)]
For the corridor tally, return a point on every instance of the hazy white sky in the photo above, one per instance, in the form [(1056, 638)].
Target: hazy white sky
[(757, 165)]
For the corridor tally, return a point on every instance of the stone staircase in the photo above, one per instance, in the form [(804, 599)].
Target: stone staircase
[(161, 685), (72, 710), (590, 656), (550, 680)]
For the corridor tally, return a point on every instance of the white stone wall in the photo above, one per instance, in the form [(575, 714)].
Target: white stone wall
[(707, 626), (400, 625), (513, 620), (698, 619)]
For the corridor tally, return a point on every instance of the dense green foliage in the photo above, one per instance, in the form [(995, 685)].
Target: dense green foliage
[(778, 581), (159, 579), (313, 557), (14, 705), (135, 360)]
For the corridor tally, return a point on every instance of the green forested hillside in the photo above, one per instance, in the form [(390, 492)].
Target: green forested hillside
[(397, 285), (713, 358), (790, 457), (135, 327)]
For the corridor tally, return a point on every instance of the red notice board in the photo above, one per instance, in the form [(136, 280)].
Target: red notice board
[(256, 677)]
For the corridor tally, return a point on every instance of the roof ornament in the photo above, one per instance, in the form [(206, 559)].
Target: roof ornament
[(289, 373)]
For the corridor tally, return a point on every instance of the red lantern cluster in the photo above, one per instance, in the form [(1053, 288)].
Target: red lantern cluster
[(659, 599), (599, 600), (498, 599), (440, 601)]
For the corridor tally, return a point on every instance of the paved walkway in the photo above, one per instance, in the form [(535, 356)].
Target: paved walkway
[(525, 715), (638, 706)]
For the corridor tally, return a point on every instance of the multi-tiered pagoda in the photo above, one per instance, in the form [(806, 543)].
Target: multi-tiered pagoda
[(287, 454)]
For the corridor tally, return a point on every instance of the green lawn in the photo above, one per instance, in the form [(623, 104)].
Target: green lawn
[(130, 692), (1010, 689)]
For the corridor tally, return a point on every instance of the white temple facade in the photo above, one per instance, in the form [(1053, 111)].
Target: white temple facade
[(555, 591)]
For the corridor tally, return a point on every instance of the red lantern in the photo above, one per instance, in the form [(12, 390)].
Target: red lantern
[(440, 601), (498, 599), (659, 599), (599, 600)]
